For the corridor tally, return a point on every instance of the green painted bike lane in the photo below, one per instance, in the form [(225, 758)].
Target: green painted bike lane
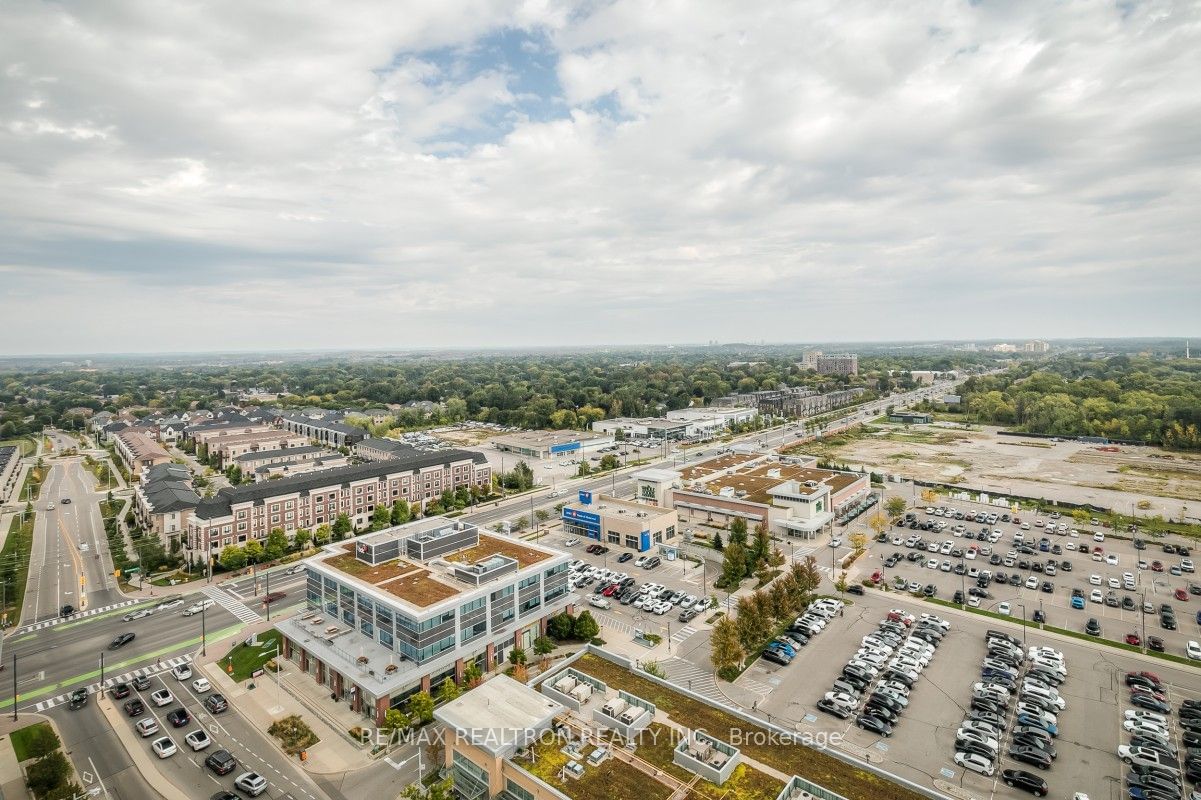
[(113, 669)]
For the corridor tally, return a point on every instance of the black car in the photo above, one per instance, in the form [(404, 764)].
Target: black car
[(215, 703), (78, 698), (221, 762), (1149, 702), (120, 640), (975, 746), (957, 597), (930, 590), (776, 656), (1015, 579), (981, 593), (1155, 782), (1048, 587), (1168, 622), (833, 708), (1029, 754), (1027, 781), (886, 714), (1065, 565), (884, 701), (996, 720), (855, 589), (1039, 616), (624, 557), (66, 610), (224, 796), (874, 724), (1191, 738), (1092, 627), (179, 717), (135, 707), (120, 691)]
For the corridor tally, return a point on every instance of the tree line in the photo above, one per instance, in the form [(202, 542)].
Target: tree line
[(1139, 398)]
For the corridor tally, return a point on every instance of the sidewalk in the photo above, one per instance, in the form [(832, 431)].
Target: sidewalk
[(334, 754), (146, 766), (12, 779)]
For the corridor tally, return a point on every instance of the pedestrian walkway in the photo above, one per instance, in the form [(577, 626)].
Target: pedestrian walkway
[(696, 679), (751, 685), (148, 671), (232, 604), (613, 623), (48, 623), (683, 633)]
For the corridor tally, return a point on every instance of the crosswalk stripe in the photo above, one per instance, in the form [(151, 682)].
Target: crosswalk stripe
[(683, 633), (234, 606), (96, 688), (48, 623)]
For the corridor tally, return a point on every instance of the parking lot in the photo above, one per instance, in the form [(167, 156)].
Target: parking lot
[(922, 746), (1155, 588)]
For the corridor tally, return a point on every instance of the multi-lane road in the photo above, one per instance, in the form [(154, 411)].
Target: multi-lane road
[(49, 656)]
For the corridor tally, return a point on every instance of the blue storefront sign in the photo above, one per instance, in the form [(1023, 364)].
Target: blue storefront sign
[(585, 497), (566, 447), (586, 521)]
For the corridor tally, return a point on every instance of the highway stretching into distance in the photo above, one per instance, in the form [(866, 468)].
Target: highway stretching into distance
[(48, 657)]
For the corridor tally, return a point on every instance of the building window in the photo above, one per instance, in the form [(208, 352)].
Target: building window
[(475, 604), (531, 604), (527, 582), (669, 532), (516, 791), (613, 537), (475, 630), (632, 540), (241, 526)]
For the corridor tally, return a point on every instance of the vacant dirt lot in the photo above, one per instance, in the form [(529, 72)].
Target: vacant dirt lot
[(980, 458), (465, 437)]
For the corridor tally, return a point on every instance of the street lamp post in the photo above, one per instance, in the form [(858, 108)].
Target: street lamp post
[(15, 685), (204, 633), (1023, 607)]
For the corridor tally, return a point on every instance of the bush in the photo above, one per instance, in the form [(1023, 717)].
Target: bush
[(293, 734), (728, 673), (48, 773)]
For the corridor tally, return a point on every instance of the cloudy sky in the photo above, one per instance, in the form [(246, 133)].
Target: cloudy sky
[(210, 175)]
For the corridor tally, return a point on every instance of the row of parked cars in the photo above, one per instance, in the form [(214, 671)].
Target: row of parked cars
[(784, 648), (650, 597), (875, 684), (1021, 684), (219, 760), (1157, 768)]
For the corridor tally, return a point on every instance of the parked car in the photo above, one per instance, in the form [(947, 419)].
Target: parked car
[(1026, 781), (221, 762)]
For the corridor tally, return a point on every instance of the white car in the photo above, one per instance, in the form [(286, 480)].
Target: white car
[(1032, 582), (162, 697), (199, 606), (662, 608), (982, 728), (138, 614), (571, 542), (1098, 537), (597, 601), (1003, 608), (1094, 579), (701, 605), (147, 726), (1144, 726), (198, 739), (201, 685), (932, 564), (182, 672), (963, 735), (1150, 716), (1111, 559), (1095, 596), (842, 699), (976, 763), (163, 747), (1114, 583), (173, 603), (836, 542), (1193, 650), (970, 554)]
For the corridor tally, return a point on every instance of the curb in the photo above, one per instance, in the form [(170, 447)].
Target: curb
[(129, 741)]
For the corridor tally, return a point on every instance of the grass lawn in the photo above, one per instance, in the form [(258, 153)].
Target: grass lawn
[(612, 779), (16, 553), (179, 577), (246, 660), (23, 739), (789, 758), (27, 447), (32, 488)]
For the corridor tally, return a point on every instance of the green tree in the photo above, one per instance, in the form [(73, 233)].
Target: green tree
[(302, 538), (738, 531), (584, 469), (395, 719), (543, 645), (543, 515), (448, 691), (401, 513), (585, 627), (442, 790), (725, 647), (609, 461), (895, 506), (321, 535), (472, 675), (42, 741), (234, 474), (754, 626), (48, 773), (718, 544), (421, 707), (254, 551), (276, 544), (733, 566), (560, 626), (516, 656), (232, 557), (341, 527), (761, 546), (381, 518)]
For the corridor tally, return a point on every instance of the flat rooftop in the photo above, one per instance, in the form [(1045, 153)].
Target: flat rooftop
[(604, 504), (499, 715), (546, 438), (498, 546), (756, 481), (424, 583), (705, 468)]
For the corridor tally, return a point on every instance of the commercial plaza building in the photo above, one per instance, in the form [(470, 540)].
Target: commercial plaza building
[(239, 513), (545, 444), (622, 523), (398, 611)]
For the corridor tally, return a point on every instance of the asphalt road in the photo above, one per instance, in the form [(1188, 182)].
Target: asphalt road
[(68, 544)]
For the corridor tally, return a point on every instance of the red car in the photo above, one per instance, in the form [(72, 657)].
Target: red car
[(1132, 638), (1157, 566), (1151, 676), (1181, 594), (271, 598), (610, 590)]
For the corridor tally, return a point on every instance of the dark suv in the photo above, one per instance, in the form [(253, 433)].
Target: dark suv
[(221, 762)]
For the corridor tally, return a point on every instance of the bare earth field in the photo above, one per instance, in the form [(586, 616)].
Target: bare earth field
[(1071, 471), (465, 437)]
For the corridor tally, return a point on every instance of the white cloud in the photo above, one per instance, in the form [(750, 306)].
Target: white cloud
[(344, 174)]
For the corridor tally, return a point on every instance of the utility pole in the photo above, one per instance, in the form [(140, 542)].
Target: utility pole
[(204, 633), (267, 594), (14, 686)]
